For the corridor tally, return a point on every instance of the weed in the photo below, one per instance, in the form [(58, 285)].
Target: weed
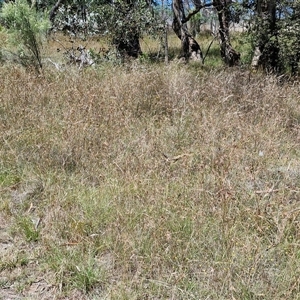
[(28, 228), (75, 269)]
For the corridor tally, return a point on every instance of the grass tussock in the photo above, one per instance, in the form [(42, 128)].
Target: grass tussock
[(149, 182)]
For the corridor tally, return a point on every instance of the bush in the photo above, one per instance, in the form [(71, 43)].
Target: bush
[(26, 28)]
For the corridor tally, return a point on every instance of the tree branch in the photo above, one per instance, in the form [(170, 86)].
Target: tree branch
[(195, 11), (54, 9)]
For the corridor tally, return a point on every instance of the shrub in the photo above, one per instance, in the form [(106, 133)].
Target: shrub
[(26, 28)]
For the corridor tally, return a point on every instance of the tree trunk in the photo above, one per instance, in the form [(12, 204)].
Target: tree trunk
[(127, 41), (164, 38), (266, 53), (189, 46), (54, 10), (130, 46), (230, 56)]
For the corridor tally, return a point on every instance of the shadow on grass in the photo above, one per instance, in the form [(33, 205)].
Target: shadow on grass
[(210, 49)]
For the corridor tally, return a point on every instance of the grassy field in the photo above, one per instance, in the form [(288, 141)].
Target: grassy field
[(149, 181)]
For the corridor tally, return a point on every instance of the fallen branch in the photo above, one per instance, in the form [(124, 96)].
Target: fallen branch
[(177, 157)]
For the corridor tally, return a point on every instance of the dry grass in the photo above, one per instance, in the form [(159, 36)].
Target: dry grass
[(149, 182)]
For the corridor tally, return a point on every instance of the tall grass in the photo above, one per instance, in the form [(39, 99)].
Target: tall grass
[(149, 182)]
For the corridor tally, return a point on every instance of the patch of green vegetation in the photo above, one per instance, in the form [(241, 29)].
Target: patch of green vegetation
[(211, 52), (8, 177), (75, 268), (13, 262), (243, 44), (28, 228), (8, 264)]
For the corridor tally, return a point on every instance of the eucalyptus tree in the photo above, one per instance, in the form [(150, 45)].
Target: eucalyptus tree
[(265, 32), (72, 16), (190, 47), (224, 10), (275, 33), (124, 22), (289, 34)]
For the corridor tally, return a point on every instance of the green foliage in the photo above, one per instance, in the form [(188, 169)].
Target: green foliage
[(28, 228), (133, 15), (8, 177), (125, 21), (122, 22), (276, 33), (289, 38), (75, 269), (195, 23), (77, 18), (26, 28), (243, 42)]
